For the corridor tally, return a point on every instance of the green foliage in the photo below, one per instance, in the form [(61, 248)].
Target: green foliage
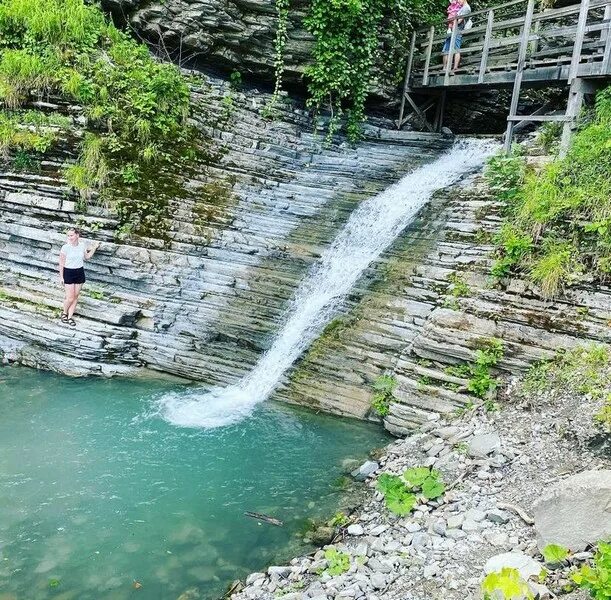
[(383, 393), (339, 520), (558, 218), (282, 12), (401, 493), (427, 480), (235, 80), (504, 174), (339, 562), (398, 497), (458, 286), (549, 137), (603, 416), (348, 38), (507, 583), (583, 370), (554, 553), (481, 382), (597, 578), (136, 107), (20, 132)]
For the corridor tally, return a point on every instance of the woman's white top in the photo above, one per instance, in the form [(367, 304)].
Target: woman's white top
[(75, 255)]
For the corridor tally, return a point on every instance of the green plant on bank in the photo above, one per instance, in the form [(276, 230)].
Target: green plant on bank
[(383, 393), (481, 382), (402, 493), (339, 562), (136, 107), (554, 553), (583, 370), (458, 286), (597, 578), (506, 584), (339, 520), (603, 416), (548, 137), (557, 224)]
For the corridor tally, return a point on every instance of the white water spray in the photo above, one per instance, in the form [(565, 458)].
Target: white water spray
[(371, 228)]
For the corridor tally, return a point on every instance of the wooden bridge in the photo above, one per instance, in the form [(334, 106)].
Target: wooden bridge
[(513, 45)]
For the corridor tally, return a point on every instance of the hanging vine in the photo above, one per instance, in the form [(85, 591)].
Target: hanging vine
[(346, 34), (282, 11)]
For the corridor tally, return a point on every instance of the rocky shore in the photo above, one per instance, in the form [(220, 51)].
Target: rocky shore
[(534, 472)]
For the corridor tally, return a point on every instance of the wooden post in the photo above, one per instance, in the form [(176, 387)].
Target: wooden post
[(441, 105), (517, 83), (605, 34), (579, 88), (486, 49), (534, 45), (446, 77), (581, 28), (427, 60), (408, 72)]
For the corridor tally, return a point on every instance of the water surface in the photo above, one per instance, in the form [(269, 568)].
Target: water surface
[(95, 494)]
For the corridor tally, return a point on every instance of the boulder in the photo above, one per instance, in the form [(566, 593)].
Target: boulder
[(484, 444), (576, 512), (527, 566)]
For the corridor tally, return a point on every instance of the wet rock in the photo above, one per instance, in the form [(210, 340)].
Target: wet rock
[(575, 512), (367, 469), (322, 535)]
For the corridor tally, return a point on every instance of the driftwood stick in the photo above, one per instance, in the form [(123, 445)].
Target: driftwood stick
[(518, 510), (266, 518)]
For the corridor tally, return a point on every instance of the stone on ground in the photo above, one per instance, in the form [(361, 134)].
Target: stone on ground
[(576, 512)]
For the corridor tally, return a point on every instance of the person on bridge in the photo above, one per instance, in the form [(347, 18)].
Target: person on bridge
[(71, 271), (458, 11)]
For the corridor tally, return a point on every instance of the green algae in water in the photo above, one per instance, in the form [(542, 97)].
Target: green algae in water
[(95, 495)]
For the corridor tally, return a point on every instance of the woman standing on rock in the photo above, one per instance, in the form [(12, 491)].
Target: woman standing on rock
[(72, 271)]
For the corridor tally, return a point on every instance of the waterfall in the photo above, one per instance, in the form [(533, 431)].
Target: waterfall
[(371, 228)]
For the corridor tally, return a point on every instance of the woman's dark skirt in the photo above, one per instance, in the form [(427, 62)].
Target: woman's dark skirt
[(74, 275)]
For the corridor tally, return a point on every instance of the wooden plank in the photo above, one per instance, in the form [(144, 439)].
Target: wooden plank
[(427, 60), (539, 118), (517, 84), (486, 48), (422, 108), (581, 25)]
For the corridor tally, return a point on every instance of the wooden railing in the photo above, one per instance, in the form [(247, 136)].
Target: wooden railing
[(558, 43)]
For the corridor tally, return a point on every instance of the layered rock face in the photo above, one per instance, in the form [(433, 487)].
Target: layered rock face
[(204, 303), (415, 322), (224, 34)]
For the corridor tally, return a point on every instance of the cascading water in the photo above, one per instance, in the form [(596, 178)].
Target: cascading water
[(371, 228)]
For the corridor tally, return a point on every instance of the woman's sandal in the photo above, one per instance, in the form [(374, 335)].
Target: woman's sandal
[(64, 317), (72, 322)]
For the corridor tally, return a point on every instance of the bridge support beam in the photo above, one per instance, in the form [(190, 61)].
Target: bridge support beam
[(577, 92)]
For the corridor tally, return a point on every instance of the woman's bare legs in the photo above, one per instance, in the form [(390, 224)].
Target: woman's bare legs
[(75, 294), (70, 298)]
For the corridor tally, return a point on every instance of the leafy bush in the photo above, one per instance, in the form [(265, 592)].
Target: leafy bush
[(383, 393), (597, 579), (507, 583), (557, 219), (402, 493), (583, 370), (136, 106), (481, 382), (339, 562)]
